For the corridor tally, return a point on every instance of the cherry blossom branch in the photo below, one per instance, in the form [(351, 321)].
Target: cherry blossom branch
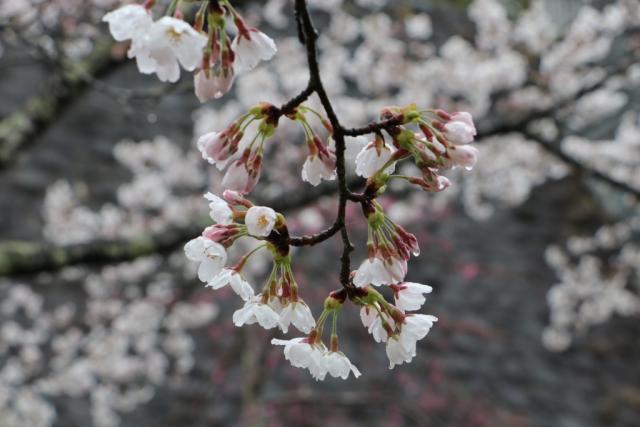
[(520, 126), (308, 35)]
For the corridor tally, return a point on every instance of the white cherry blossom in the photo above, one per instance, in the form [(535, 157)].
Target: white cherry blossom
[(367, 315), (397, 269), (338, 365), (409, 296), (371, 272), (296, 350), (254, 311), (397, 353), (211, 255), (235, 280), (402, 347), (370, 159), (252, 46), (377, 329), (219, 210), (353, 146), (128, 22), (373, 321), (260, 220), (314, 170), (376, 271), (297, 314), (301, 354), (168, 44)]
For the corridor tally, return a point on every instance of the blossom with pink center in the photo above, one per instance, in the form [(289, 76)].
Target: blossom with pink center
[(260, 220)]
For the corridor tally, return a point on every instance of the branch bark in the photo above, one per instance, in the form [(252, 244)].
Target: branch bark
[(20, 127), (28, 257)]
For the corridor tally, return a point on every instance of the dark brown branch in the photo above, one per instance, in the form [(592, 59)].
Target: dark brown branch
[(310, 37), (315, 238), (294, 102), (373, 127)]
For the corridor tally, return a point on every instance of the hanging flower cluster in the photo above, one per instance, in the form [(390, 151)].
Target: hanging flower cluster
[(164, 46), (441, 142), (434, 140)]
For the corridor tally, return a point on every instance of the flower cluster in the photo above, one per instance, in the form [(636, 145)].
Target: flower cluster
[(242, 158), (389, 248), (442, 143), (278, 304), (435, 140), (391, 324), (163, 46)]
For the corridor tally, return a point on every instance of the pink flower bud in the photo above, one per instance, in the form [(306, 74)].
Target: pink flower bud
[(243, 174), (466, 118), (222, 234), (463, 155), (211, 84), (237, 177), (217, 147), (234, 198), (460, 129)]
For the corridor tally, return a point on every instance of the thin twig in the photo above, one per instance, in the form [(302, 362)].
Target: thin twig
[(556, 150), (309, 36)]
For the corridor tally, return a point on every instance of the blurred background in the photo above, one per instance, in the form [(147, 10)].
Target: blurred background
[(534, 255)]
